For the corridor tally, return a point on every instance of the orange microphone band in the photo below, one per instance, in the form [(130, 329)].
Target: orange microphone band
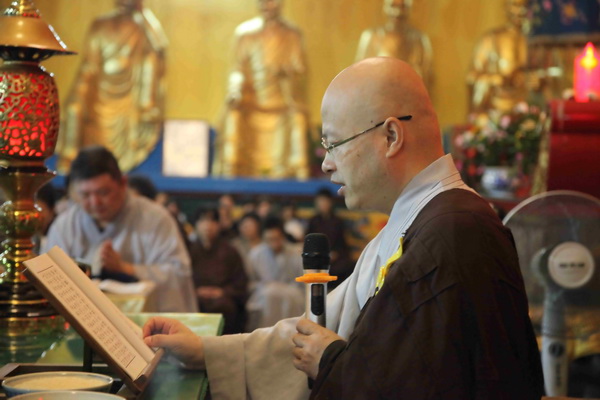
[(316, 277)]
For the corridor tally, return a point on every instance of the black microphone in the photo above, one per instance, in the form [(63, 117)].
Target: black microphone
[(315, 260)]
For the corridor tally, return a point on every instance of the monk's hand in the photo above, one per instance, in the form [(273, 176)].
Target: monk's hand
[(177, 339), (310, 343), (111, 260)]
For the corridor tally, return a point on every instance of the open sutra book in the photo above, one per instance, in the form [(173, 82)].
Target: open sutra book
[(100, 323)]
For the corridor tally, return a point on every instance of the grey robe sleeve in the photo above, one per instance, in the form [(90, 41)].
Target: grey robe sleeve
[(258, 365), (167, 263)]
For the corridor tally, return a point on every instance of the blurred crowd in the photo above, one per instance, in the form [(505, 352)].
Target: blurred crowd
[(245, 252)]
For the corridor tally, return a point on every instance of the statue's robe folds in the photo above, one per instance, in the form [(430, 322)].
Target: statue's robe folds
[(405, 43), (265, 127), (117, 99)]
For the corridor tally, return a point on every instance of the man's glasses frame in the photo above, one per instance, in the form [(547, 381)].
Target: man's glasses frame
[(330, 146)]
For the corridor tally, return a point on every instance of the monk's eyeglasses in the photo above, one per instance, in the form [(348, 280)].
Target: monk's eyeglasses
[(330, 146)]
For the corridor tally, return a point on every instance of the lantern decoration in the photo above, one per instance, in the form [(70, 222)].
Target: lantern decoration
[(29, 120), (29, 107), (586, 77)]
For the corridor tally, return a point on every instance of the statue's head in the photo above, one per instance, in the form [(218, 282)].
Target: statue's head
[(397, 8), (270, 9), (129, 4), (516, 11)]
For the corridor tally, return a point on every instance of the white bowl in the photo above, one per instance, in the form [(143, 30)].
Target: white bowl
[(72, 395), (56, 380)]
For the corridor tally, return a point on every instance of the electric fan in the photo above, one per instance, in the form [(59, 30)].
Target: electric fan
[(557, 235)]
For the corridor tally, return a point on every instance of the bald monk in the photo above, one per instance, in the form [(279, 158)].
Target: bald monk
[(450, 319)]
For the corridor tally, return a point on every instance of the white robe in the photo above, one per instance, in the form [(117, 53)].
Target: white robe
[(259, 365), (274, 292), (145, 235)]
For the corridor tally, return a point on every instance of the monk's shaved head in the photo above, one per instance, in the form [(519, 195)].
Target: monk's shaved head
[(372, 91), (381, 87)]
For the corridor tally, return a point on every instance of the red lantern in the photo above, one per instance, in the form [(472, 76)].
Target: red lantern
[(29, 114), (29, 108)]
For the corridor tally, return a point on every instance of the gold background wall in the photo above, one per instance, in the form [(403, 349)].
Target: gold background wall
[(200, 35)]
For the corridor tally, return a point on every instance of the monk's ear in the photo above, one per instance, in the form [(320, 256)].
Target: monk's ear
[(395, 136)]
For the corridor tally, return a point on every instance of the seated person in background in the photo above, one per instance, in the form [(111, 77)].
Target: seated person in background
[(122, 235), (273, 268), (450, 318), (142, 186), (218, 269), (325, 221), (185, 228), (264, 207), (229, 228), (248, 204), (295, 228), (250, 235)]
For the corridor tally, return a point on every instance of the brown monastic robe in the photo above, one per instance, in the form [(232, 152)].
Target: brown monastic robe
[(450, 322)]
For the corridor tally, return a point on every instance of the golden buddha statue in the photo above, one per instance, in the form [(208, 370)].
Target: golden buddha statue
[(504, 71), (117, 99), (264, 132), (399, 39)]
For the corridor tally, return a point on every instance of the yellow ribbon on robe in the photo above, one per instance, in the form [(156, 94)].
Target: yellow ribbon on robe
[(383, 271)]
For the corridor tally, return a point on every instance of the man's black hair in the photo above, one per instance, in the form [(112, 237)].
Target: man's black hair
[(251, 215), (273, 222), (143, 185), (324, 192), (94, 161), (47, 194), (211, 213)]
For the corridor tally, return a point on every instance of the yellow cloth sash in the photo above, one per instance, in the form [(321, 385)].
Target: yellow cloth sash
[(383, 271)]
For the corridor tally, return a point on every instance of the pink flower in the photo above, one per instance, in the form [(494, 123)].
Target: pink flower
[(504, 121)]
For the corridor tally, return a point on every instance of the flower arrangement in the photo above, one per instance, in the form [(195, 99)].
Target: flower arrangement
[(501, 139)]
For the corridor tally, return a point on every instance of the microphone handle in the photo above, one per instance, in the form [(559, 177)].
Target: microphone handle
[(316, 299), (316, 303)]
